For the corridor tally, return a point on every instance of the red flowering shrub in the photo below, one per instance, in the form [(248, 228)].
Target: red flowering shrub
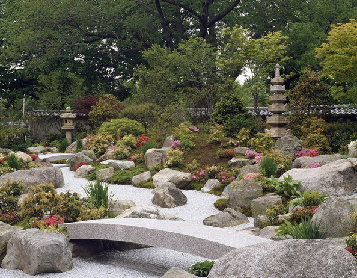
[(228, 153), (79, 165), (141, 140), (34, 156)]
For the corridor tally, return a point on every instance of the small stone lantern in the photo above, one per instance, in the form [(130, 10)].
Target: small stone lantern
[(68, 123), (277, 121)]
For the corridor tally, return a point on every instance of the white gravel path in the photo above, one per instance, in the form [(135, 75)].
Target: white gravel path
[(139, 263)]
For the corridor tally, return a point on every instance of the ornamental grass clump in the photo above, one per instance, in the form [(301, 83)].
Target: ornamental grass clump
[(306, 229), (97, 193)]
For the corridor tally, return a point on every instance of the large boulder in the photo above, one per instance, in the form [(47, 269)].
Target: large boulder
[(105, 174), (155, 156), (141, 177), (288, 258), (289, 145), (119, 206), (36, 176), (335, 178), (227, 218), (236, 162), (210, 184), (120, 164), (335, 215), (6, 231), (180, 179), (243, 192), (84, 171), (249, 169), (82, 156), (261, 204), (34, 251), (37, 149), (145, 211), (352, 149), (169, 197), (305, 161)]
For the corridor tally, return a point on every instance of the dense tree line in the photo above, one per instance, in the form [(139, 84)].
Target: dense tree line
[(53, 52)]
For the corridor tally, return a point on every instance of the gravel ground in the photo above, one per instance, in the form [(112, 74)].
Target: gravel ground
[(140, 263)]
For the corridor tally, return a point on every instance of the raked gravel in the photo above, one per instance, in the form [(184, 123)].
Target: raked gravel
[(139, 263)]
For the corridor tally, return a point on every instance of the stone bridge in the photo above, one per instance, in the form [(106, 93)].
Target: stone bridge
[(55, 156), (205, 241)]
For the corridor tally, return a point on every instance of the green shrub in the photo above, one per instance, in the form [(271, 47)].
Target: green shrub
[(125, 176), (221, 204), (174, 158), (120, 127), (63, 145), (262, 143), (274, 212), (106, 108), (243, 137), (268, 184), (42, 199), (201, 269), (145, 184), (313, 199), (287, 188), (122, 152), (148, 145), (304, 230), (14, 162), (184, 135), (69, 207), (216, 134), (99, 143), (268, 167), (231, 113), (79, 145), (10, 192)]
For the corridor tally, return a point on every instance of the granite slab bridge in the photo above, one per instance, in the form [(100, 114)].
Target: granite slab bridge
[(55, 156), (205, 241)]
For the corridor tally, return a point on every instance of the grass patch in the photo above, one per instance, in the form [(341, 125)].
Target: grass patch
[(145, 184), (221, 204), (125, 176)]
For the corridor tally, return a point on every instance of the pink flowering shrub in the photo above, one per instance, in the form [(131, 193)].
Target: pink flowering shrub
[(307, 152), (198, 175), (112, 148), (193, 128), (79, 165), (255, 156), (225, 177), (253, 176), (53, 220), (315, 165), (302, 213), (176, 144)]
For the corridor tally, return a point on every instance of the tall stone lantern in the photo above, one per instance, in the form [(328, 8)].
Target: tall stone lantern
[(68, 123), (277, 121)]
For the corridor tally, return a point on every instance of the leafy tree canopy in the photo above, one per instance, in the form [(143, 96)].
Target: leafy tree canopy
[(339, 60)]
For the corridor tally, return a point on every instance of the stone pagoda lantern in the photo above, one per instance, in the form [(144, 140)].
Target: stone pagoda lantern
[(277, 121), (68, 123)]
